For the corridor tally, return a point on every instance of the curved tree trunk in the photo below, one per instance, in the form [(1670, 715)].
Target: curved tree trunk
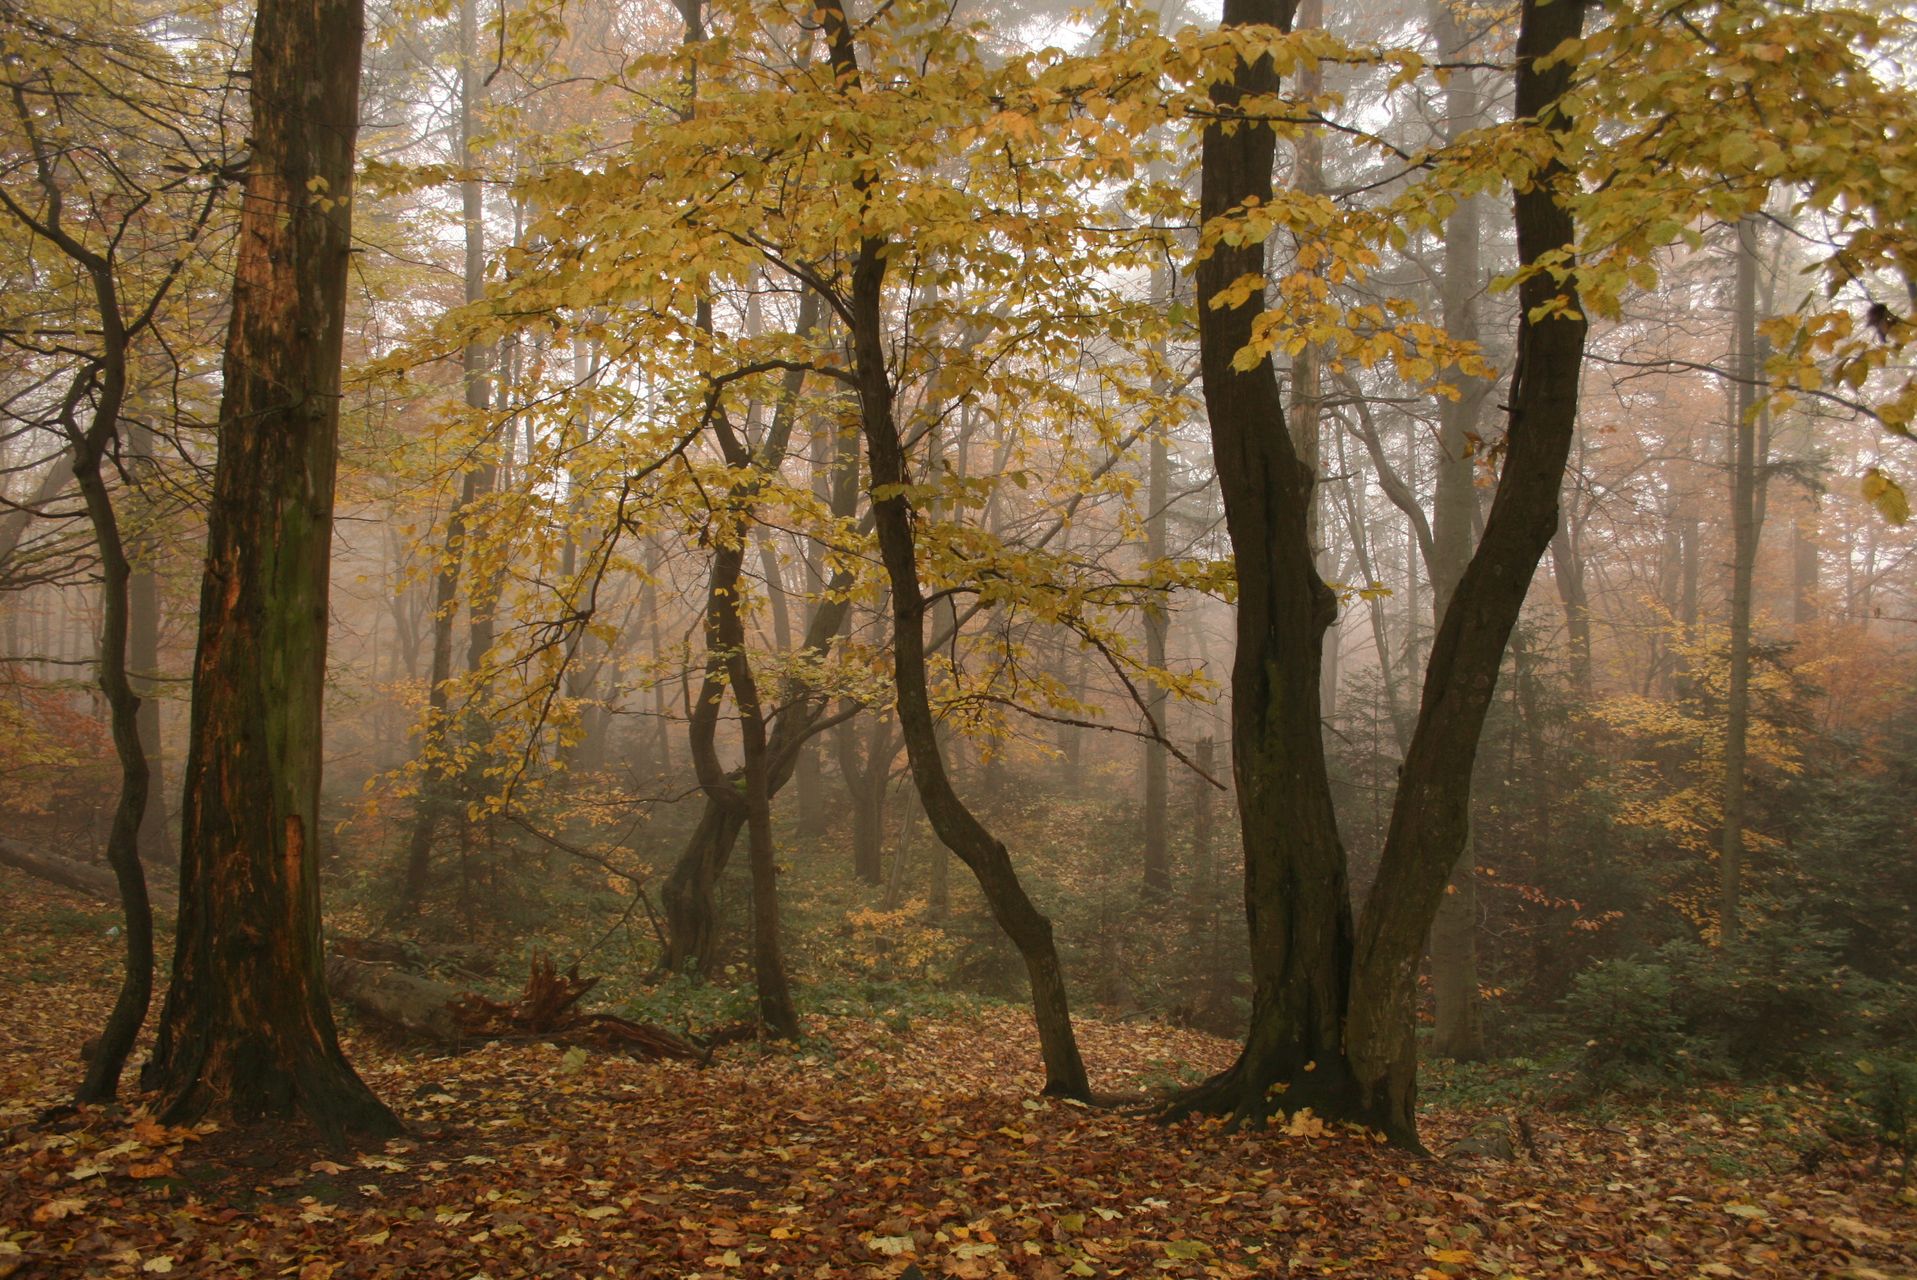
[(123, 839), (247, 1030), (960, 830), (1430, 819)]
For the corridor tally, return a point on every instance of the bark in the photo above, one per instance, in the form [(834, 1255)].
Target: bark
[(143, 664), (123, 838), (960, 830), (691, 918), (247, 1030), (1430, 819), (1567, 569), (15, 520), (1746, 524), (1296, 900), (438, 798), (82, 877), (1459, 1029), (728, 666), (407, 1003), (97, 392), (1804, 568), (1156, 886), (866, 780), (1332, 1009)]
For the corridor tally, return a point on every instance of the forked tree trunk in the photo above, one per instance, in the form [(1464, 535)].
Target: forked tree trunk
[(247, 1031), (956, 825), (1332, 1012), (728, 665), (687, 897)]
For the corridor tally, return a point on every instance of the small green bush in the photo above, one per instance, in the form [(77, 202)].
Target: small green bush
[(1627, 1015), (1883, 1091)]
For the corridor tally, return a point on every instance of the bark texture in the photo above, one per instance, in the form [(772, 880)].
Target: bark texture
[(247, 1030), (1332, 1007)]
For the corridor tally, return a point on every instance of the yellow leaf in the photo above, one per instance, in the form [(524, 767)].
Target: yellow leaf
[(1886, 495)]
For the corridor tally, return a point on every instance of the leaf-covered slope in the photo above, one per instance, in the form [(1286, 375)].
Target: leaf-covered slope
[(872, 1149)]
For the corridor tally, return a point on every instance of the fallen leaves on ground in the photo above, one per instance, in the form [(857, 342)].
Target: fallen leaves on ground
[(872, 1151)]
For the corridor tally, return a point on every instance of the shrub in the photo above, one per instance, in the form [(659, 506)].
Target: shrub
[(1627, 1014), (1884, 1089)]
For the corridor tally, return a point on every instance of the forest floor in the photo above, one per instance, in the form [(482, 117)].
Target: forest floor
[(884, 1148)]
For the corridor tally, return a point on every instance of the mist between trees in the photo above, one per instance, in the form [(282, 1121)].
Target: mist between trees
[(1376, 533)]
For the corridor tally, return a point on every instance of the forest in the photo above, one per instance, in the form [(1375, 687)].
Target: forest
[(913, 638)]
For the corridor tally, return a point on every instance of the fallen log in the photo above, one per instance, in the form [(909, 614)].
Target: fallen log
[(412, 1004), (547, 1010), (92, 879), (398, 1001)]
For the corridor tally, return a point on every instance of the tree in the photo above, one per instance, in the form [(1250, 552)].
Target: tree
[(960, 830), (1331, 1023), (247, 1029), (1750, 445), (124, 232)]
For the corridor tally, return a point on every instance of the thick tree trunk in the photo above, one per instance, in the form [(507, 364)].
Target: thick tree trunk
[(1296, 899), (247, 1030)]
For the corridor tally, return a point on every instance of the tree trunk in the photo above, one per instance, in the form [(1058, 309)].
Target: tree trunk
[(1804, 567), (1430, 818), (867, 786), (956, 825), (143, 670), (123, 839), (438, 798), (686, 898), (1332, 1013), (691, 917), (1746, 524), (1157, 878), (1296, 900), (247, 1030), (1459, 1030)]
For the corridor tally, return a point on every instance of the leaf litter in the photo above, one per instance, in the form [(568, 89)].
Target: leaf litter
[(871, 1151)]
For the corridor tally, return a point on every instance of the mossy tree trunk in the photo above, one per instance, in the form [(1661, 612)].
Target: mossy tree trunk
[(247, 1031)]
